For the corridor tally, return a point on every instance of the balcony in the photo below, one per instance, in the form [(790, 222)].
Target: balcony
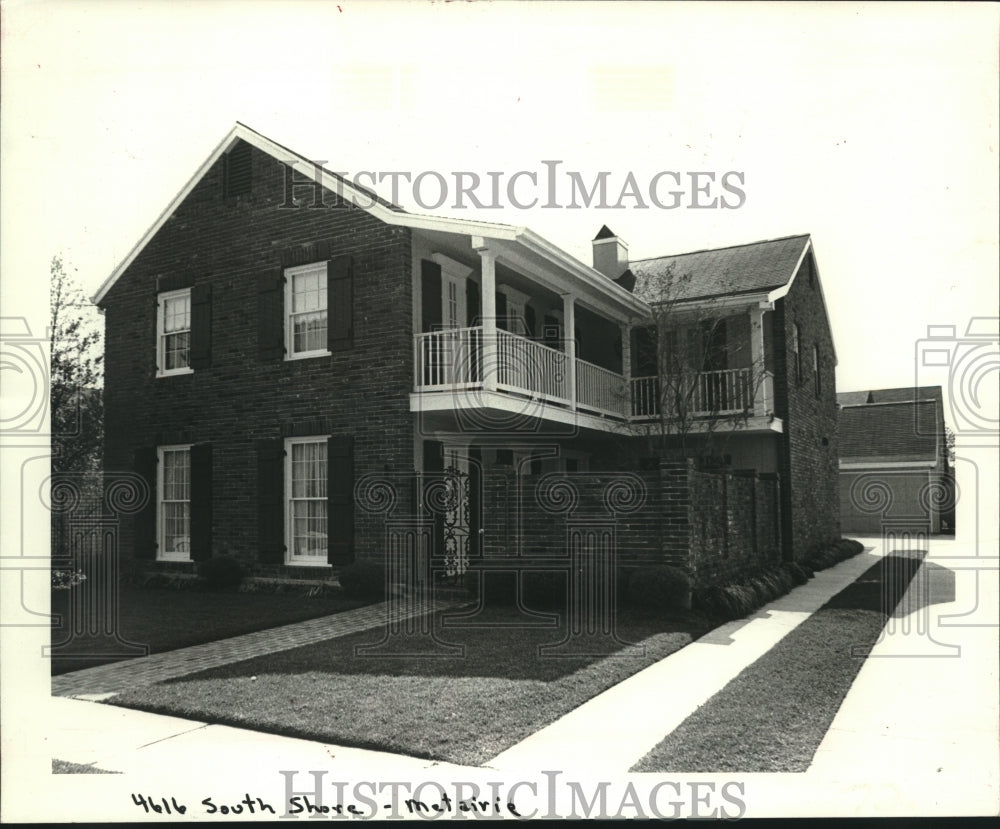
[(457, 359), (457, 367), (705, 394)]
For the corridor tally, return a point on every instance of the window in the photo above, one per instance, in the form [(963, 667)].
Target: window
[(306, 491), (174, 504), (306, 317), (796, 341), (816, 372), (173, 325)]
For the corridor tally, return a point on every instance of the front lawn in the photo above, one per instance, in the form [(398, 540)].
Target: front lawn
[(166, 619), (775, 713), (463, 708)]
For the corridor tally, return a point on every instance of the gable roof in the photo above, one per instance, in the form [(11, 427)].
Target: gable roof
[(387, 212), (901, 395), (889, 432), (758, 267), (854, 398)]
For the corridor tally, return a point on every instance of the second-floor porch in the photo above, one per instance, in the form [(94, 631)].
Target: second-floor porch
[(472, 367), (498, 334)]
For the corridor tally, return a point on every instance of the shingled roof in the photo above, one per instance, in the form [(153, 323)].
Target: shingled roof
[(752, 268), (889, 432), (900, 395)]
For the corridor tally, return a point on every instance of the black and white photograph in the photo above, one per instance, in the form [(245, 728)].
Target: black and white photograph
[(499, 410)]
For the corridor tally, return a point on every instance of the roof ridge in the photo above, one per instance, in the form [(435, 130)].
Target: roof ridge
[(724, 247)]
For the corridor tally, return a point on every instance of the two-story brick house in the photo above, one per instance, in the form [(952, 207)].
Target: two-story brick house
[(281, 339)]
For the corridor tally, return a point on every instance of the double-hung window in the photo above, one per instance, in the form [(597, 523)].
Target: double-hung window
[(306, 494), (173, 333), (174, 503), (306, 316)]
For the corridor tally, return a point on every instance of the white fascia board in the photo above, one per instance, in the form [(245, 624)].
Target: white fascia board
[(591, 277), (778, 293), (852, 465), (167, 213), (467, 227), (309, 172)]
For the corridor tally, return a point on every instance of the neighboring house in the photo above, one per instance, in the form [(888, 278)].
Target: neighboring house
[(894, 460), (270, 364)]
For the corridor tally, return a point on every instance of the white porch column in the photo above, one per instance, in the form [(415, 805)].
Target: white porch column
[(569, 337), (626, 331), (761, 402), (488, 312)]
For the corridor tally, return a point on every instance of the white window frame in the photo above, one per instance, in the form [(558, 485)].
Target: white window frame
[(161, 335), (161, 547), (290, 558), (290, 274)]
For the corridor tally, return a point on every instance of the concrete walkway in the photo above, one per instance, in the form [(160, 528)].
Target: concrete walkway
[(925, 701), (106, 680), (629, 719), (932, 717)]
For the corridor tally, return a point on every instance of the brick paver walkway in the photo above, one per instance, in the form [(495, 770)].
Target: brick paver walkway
[(146, 670)]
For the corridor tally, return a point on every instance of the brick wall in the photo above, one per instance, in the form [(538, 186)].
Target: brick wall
[(734, 519), (809, 448), (241, 398), (717, 527)]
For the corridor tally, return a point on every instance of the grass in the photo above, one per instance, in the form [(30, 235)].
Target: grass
[(773, 716), (461, 708), (166, 619)]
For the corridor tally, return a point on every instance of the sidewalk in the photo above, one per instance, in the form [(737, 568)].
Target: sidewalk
[(105, 680), (628, 720), (923, 714), (925, 701)]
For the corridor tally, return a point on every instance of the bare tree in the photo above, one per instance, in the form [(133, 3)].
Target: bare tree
[(76, 375), (705, 378)]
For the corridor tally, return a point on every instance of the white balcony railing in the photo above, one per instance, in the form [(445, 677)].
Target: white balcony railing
[(601, 390), (452, 360), (702, 394), (449, 359), (524, 365)]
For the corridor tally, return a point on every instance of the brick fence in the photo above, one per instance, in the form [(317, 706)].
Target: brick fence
[(717, 526)]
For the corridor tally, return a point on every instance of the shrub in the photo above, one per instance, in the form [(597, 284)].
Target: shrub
[(220, 572), (798, 573), (659, 587), (363, 580)]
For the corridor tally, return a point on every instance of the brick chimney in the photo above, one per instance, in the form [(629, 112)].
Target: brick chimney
[(610, 253)]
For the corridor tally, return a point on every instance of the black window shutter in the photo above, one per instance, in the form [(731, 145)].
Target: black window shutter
[(550, 331), (201, 327), (430, 295), (472, 302), (270, 500), (339, 303), (270, 315), (340, 500), (201, 501), (502, 311), (529, 321), (144, 464)]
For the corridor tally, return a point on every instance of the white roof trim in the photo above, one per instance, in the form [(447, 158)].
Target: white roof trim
[(490, 230), (887, 464), (778, 293)]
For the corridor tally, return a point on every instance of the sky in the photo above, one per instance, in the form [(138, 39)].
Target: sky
[(871, 127)]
